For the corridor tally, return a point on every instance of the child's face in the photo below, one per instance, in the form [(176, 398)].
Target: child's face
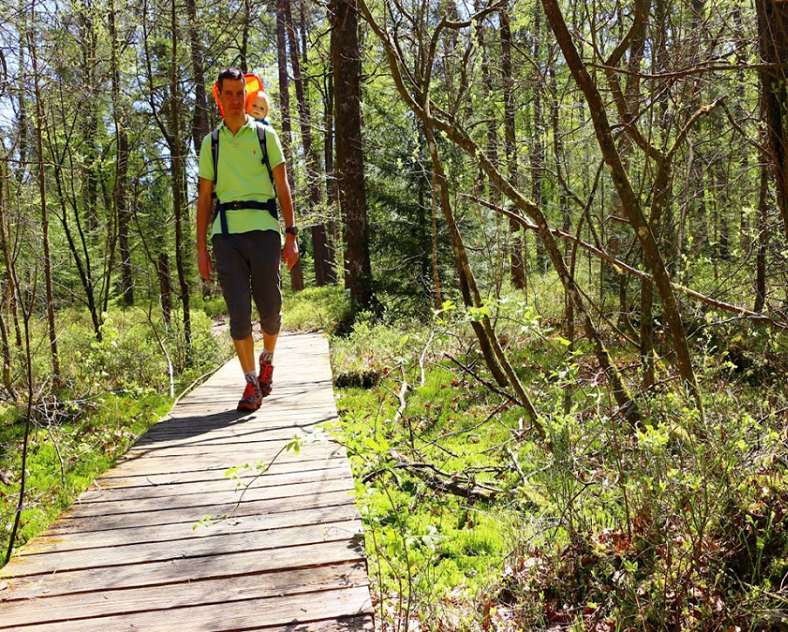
[(259, 108)]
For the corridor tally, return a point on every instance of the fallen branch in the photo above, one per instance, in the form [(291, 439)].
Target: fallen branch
[(455, 483)]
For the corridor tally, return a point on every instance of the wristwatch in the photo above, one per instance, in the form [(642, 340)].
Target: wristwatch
[(293, 230)]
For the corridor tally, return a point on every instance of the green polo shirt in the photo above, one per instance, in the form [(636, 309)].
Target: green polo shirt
[(242, 175)]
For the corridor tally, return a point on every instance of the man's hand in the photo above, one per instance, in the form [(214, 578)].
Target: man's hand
[(204, 262), (290, 251)]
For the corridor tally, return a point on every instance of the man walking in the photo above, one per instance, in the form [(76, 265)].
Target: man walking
[(245, 234)]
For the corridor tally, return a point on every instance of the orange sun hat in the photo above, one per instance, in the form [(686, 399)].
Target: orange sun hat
[(253, 85)]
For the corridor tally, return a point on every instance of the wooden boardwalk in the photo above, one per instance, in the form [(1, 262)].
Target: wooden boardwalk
[(130, 556)]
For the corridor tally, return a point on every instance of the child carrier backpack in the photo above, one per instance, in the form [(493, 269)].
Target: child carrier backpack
[(223, 207)]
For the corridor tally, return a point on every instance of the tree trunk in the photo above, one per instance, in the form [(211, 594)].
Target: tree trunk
[(24, 123), (350, 160), (89, 115), (319, 242), (83, 268), (537, 153), (296, 273), (165, 287), (497, 361), (119, 196), (243, 54), (517, 269), (629, 200), (6, 347), (200, 125), (9, 300), (773, 44), (332, 193), (44, 215), (763, 241), (461, 138), (175, 151)]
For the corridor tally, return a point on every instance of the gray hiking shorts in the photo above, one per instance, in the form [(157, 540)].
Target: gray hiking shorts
[(247, 265)]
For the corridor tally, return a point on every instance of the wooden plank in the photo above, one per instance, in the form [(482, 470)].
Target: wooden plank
[(259, 441), (157, 574), (191, 463), (63, 540), (138, 487), (290, 611), (24, 565), (207, 499), (244, 451), (192, 515), (280, 465), (211, 591), (212, 474), (177, 436)]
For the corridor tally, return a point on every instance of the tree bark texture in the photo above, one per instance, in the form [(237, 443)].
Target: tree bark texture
[(177, 184), (200, 125), (119, 196), (40, 121), (517, 266), (332, 193), (319, 240), (296, 272), (349, 154), (773, 44)]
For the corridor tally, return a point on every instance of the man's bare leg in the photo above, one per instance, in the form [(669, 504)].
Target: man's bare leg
[(245, 350), (252, 398), (269, 341)]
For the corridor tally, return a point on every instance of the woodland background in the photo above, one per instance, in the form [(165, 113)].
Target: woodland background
[(549, 239)]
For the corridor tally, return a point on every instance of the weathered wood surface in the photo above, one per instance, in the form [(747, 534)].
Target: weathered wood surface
[(282, 551)]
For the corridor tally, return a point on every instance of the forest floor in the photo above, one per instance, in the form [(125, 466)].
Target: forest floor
[(475, 523)]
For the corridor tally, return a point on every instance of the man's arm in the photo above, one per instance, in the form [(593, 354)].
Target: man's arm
[(288, 214), (204, 204)]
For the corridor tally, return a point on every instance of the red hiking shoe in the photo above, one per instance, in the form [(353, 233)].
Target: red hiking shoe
[(266, 378), (252, 398)]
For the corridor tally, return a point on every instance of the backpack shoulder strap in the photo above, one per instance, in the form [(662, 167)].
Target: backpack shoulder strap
[(215, 153), (261, 136)]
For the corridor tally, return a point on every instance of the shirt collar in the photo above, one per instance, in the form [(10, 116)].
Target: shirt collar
[(249, 123)]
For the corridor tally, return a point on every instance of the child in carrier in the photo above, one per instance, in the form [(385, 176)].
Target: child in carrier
[(260, 107)]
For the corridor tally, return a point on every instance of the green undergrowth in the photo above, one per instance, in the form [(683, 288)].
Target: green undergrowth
[(475, 523), (315, 308), (112, 391), (65, 457)]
